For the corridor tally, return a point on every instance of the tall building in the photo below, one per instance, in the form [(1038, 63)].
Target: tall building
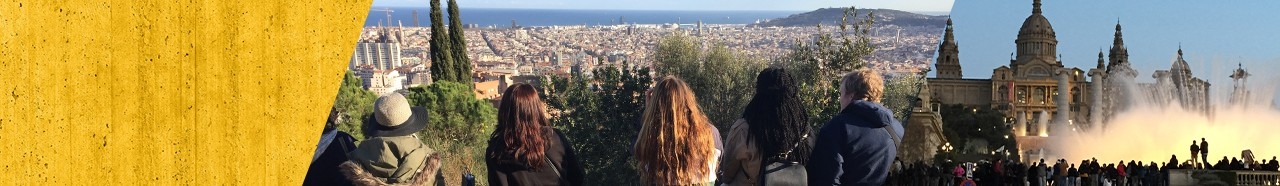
[(382, 53), (949, 56), (1116, 77)]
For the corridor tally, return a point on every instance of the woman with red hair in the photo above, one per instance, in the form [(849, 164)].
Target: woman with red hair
[(524, 149)]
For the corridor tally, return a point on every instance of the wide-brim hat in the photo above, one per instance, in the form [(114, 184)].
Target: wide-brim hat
[(417, 121), (393, 116)]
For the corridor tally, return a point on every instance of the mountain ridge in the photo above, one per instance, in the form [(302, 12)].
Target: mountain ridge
[(832, 16)]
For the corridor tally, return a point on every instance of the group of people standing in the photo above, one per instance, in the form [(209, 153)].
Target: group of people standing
[(771, 144), (1246, 161), (1089, 172)]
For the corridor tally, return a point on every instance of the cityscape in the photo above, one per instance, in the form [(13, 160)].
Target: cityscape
[(391, 58)]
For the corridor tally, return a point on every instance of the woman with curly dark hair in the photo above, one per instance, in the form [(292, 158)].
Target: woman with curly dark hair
[(774, 128)]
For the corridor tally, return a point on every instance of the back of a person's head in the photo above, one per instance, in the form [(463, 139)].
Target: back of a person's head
[(675, 145), (777, 117), (518, 135), (863, 83)]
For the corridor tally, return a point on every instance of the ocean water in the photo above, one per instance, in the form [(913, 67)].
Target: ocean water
[(547, 17)]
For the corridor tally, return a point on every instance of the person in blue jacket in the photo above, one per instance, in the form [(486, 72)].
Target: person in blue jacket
[(857, 146)]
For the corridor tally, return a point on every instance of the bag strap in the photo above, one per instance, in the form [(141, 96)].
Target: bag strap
[(548, 159), (897, 140)]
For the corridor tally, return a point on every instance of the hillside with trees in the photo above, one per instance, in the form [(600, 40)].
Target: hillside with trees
[(832, 16)]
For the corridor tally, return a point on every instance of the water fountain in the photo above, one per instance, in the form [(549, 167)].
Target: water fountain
[(1155, 126)]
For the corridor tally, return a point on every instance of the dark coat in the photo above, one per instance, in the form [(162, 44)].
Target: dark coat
[(324, 169), (853, 148), (559, 150)]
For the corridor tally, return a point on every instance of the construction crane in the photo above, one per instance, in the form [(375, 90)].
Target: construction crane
[(388, 11)]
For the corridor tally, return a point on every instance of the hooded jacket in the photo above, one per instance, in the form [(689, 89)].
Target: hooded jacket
[(853, 148), (507, 171)]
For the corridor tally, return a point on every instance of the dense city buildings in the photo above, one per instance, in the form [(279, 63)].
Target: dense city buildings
[(562, 50)]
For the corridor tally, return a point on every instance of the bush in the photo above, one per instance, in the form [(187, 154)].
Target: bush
[(459, 126)]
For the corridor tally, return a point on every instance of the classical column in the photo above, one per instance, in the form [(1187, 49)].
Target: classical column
[(1063, 100), (1095, 112)]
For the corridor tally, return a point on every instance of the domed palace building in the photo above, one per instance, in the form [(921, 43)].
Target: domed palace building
[(1039, 95)]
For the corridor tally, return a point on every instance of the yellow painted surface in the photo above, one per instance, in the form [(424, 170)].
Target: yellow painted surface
[(210, 92)]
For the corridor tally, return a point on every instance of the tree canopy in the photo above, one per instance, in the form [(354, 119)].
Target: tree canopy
[(601, 119), (354, 103), (722, 80)]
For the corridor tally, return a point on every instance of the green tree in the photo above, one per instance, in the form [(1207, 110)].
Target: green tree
[(723, 80), (458, 45), (600, 115), (442, 63), (354, 103), (827, 57), (901, 94), (459, 127)]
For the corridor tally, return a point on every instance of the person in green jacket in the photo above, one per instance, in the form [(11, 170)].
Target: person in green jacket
[(393, 154)]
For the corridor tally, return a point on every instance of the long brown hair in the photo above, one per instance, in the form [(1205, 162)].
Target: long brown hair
[(518, 135), (675, 145)]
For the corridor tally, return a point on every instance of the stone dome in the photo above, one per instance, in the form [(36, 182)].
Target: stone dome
[(1179, 64), (1036, 25)]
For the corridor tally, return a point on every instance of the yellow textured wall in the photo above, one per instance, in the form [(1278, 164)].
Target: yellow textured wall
[(191, 92)]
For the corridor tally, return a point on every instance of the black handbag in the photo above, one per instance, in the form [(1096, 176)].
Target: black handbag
[(468, 179), (784, 173)]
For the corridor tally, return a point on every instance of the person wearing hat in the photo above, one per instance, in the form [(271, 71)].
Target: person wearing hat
[(393, 154)]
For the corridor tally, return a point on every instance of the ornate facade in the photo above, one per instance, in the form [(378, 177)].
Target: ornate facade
[(1035, 90), (1027, 89)]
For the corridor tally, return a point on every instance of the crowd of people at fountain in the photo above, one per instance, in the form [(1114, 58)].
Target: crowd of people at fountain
[(998, 171)]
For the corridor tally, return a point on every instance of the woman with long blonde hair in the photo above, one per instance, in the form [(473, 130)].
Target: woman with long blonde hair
[(676, 145)]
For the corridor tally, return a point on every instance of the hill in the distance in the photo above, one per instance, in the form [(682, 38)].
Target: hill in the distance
[(831, 17)]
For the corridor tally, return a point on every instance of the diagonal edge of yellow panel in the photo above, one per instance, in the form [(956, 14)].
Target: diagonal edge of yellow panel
[(164, 93)]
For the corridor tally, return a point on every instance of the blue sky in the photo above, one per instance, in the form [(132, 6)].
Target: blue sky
[(1214, 35), (790, 5)]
